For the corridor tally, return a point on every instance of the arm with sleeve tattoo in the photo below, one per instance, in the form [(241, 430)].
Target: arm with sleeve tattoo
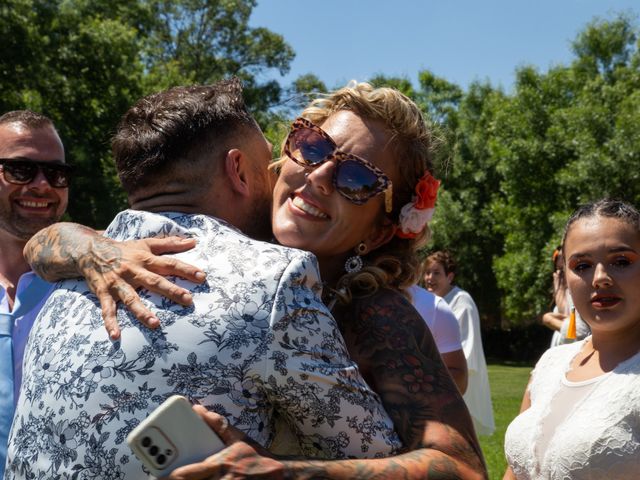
[(113, 270), (397, 354)]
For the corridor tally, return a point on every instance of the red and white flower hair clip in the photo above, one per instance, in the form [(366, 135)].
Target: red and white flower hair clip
[(415, 215)]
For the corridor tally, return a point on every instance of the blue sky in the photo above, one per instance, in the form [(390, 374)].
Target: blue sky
[(460, 40)]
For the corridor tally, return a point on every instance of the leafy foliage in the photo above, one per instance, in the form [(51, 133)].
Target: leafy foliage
[(520, 163), (84, 62), (513, 165)]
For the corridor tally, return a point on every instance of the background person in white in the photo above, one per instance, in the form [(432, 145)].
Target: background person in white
[(445, 330), (257, 342), (439, 274)]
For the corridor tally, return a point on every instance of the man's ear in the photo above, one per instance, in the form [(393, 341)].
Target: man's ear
[(381, 235), (450, 277), (236, 168)]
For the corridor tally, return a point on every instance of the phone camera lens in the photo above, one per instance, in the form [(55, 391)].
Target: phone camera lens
[(161, 459), (153, 450), (146, 441)]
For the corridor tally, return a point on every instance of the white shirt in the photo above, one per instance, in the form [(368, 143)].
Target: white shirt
[(478, 394), (439, 318), (598, 438), (564, 401)]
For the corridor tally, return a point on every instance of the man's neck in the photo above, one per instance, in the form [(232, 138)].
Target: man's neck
[(12, 263)]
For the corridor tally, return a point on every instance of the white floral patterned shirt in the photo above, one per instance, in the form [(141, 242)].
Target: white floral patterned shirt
[(257, 345)]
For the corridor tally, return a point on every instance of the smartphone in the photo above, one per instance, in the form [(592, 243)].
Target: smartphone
[(172, 436)]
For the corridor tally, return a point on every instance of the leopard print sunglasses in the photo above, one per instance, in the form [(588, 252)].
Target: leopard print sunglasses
[(354, 178)]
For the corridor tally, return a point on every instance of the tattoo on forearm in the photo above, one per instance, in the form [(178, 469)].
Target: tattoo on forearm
[(409, 466), (68, 250)]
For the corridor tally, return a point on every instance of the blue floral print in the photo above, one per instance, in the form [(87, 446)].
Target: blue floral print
[(257, 346)]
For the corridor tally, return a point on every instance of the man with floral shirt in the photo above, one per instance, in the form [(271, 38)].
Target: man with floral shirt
[(257, 342)]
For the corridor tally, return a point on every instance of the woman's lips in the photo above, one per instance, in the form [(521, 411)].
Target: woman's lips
[(308, 208), (605, 301)]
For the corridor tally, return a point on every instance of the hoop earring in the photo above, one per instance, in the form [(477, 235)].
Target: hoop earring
[(354, 263)]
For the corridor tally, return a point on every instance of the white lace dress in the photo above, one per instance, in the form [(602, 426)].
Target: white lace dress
[(598, 439)]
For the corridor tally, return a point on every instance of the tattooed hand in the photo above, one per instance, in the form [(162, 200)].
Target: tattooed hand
[(113, 270), (244, 458)]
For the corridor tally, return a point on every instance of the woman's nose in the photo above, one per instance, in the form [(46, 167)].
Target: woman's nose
[(321, 177), (601, 277)]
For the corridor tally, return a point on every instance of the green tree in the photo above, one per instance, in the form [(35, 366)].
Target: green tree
[(201, 41), (301, 92), (515, 165), (464, 222), (563, 138), (84, 62), (79, 64)]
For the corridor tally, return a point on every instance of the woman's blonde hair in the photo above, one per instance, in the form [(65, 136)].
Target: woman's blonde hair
[(395, 264)]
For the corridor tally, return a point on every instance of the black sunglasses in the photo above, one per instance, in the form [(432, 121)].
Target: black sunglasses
[(21, 171), (354, 178)]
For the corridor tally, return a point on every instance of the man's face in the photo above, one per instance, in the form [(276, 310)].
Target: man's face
[(25, 209)]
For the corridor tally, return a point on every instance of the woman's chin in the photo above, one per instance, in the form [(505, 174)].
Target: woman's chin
[(291, 238)]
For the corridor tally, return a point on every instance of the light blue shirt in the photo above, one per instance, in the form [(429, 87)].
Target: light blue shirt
[(22, 325)]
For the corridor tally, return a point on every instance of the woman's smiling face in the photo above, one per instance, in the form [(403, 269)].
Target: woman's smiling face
[(308, 213)]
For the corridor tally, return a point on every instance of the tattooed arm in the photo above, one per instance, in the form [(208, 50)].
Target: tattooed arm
[(113, 270), (245, 459), (398, 357), (397, 354)]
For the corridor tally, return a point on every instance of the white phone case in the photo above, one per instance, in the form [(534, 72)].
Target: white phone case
[(172, 436)]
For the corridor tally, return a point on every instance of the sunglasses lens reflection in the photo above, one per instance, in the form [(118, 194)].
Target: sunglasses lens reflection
[(20, 172), (356, 181), (353, 177), (55, 177), (309, 147)]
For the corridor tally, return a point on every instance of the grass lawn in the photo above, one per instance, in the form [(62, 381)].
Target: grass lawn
[(507, 386)]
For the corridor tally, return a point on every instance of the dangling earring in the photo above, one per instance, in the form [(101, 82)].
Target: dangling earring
[(354, 263), (571, 331)]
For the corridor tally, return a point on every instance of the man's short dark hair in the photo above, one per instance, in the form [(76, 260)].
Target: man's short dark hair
[(27, 118), (182, 124)]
